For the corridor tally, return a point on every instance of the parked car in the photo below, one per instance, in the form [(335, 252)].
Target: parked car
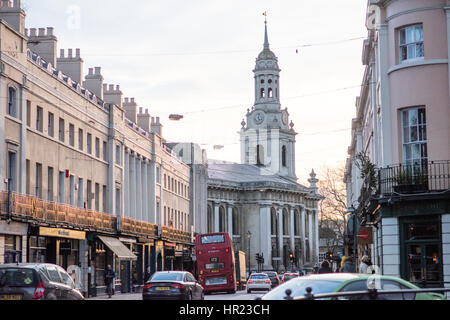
[(346, 282), (258, 282), (28, 281), (172, 285), (288, 276), (273, 278)]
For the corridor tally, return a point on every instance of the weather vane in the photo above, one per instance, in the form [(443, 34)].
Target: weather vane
[(265, 15)]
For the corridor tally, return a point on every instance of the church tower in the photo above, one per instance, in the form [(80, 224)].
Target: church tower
[(267, 136)]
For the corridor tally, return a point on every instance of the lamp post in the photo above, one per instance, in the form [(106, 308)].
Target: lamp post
[(249, 236)]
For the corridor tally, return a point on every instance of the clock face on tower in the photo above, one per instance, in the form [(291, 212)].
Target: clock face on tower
[(259, 117), (285, 117)]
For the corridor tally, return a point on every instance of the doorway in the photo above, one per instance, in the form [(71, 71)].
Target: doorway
[(422, 251)]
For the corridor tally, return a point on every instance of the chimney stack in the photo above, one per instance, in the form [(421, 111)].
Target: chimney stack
[(44, 44), (72, 66), (156, 126), (13, 14), (130, 107), (144, 120), (94, 80), (112, 94)]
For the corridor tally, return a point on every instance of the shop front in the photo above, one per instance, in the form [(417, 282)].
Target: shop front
[(13, 242), (55, 245), (169, 255), (110, 251)]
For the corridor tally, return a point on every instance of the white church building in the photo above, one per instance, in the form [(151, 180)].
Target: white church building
[(259, 201)]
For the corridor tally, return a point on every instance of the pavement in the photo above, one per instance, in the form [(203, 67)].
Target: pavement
[(118, 296)]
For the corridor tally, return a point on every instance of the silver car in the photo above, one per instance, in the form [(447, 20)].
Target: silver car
[(258, 282)]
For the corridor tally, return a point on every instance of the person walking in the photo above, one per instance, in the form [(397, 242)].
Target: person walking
[(109, 280), (325, 267), (365, 263), (147, 275), (349, 266)]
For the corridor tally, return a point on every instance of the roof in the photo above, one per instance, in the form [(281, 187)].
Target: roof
[(248, 176)]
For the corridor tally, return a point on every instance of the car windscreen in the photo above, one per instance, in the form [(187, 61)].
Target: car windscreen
[(258, 276), (17, 277), (298, 288), (217, 238), (167, 277)]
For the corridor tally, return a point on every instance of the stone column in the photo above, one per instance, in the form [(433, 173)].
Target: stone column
[(216, 216), (230, 219), (316, 235), (265, 241), (126, 187), (139, 188), (22, 163), (133, 185), (303, 232), (151, 189), (3, 185), (310, 235), (145, 214), (291, 229), (280, 236)]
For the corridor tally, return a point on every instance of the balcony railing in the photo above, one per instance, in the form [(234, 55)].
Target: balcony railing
[(29, 208), (429, 177), (175, 234)]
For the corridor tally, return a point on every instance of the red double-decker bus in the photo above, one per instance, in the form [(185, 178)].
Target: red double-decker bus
[(215, 262)]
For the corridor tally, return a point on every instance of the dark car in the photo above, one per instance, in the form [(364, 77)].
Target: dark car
[(273, 278), (172, 285), (288, 276), (28, 281)]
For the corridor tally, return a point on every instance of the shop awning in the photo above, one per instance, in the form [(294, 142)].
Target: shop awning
[(122, 252)]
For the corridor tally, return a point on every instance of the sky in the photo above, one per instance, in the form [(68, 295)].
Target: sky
[(196, 58)]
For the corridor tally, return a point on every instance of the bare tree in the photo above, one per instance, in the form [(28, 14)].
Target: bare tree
[(331, 221)]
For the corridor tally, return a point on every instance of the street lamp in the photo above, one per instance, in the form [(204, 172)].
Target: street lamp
[(249, 236)]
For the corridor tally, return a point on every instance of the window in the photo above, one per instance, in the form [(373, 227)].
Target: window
[(12, 171), (12, 102), (158, 174), (53, 274), (411, 42), (71, 135), (97, 197), (80, 139), (89, 143), (50, 184), (39, 180), (105, 151), (283, 156), (29, 113), (263, 93), (39, 118), (105, 199), (13, 254), (270, 94), (259, 155), (51, 124), (61, 130), (61, 194), (273, 222), (414, 128), (118, 154), (97, 147), (89, 194)]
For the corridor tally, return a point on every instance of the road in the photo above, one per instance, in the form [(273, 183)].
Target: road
[(240, 295)]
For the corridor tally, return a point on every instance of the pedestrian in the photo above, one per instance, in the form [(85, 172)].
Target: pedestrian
[(325, 267), (349, 266), (365, 263), (147, 275), (109, 280)]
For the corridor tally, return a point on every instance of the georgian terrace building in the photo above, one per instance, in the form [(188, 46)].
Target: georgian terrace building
[(82, 173), (402, 125)]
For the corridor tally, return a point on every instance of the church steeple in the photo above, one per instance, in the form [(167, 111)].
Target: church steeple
[(267, 138)]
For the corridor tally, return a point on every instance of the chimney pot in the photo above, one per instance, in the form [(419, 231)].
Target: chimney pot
[(126, 100), (41, 32), (33, 32), (98, 70), (78, 52), (70, 53), (91, 71), (50, 31), (140, 110), (111, 87), (61, 53)]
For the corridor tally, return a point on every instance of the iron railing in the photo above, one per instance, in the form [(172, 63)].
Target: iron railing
[(427, 177)]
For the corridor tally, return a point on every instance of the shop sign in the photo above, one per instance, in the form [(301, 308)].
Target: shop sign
[(365, 235), (62, 233), (13, 228)]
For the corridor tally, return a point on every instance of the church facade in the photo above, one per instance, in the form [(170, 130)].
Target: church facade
[(259, 201)]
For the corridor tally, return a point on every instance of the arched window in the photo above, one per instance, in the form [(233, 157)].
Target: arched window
[(296, 223), (210, 219), (236, 229), (285, 222), (270, 94), (263, 93), (259, 155), (222, 220), (283, 156), (12, 102), (273, 222)]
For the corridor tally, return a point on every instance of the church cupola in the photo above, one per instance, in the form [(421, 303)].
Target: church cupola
[(267, 78)]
